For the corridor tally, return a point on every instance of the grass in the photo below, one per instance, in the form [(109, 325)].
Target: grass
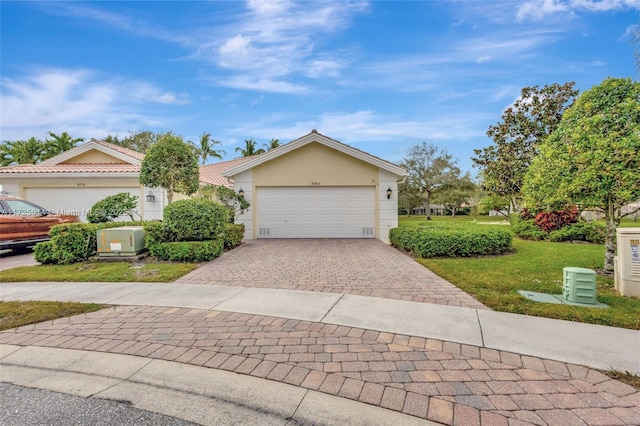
[(16, 314), (536, 266), (108, 272)]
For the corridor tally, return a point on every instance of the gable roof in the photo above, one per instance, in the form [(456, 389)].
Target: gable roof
[(126, 163), (314, 136), (124, 154), (212, 173)]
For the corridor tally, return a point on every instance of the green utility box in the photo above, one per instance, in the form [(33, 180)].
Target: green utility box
[(123, 241), (579, 285)]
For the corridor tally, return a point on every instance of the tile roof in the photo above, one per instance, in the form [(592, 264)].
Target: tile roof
[(127, 151), (71, 168), (212, 173)]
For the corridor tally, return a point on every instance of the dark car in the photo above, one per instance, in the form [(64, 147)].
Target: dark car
[(23, 223)]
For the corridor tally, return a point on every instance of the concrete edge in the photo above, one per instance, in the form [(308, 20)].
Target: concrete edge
[(198, 394)]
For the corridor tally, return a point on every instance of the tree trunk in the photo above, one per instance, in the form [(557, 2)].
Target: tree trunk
[(427, 205), (612, 221)]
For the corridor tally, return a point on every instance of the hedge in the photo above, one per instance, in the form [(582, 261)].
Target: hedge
[(233, 235), (72, 242), (451, 240), (194, 219), (188, 251)]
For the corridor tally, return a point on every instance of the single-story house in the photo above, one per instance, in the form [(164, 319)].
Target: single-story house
[(317, 187), (73, 181), (312, 187)]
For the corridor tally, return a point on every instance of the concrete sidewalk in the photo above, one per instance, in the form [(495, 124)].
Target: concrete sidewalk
[(590, 345)]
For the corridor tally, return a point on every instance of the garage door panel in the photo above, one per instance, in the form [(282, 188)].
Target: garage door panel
[(76, 201), (315, 212)]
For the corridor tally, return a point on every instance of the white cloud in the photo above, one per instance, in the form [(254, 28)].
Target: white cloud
[(538, 9), (247, 82), (80, 102)]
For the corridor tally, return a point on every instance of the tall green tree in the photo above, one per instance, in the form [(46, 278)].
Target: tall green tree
[(249, 148), (205, 148), (457, 191), (534, 116), (273, 143), (138, 141), (171, 164), (430, 168), (59, 144), (592, 159), (30, 151)]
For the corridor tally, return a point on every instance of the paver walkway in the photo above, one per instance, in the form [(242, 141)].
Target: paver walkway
[(441, 381), (349, 266)]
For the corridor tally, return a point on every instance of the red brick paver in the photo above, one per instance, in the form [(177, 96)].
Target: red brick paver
[(449, 383), (347, 266)]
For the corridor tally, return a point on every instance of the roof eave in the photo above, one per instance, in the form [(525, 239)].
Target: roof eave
[(315, 137)]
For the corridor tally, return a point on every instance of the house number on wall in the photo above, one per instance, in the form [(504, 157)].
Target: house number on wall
[(315, 183)]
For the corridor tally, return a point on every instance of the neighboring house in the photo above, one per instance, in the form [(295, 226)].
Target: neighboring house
[(317, 187), (72, 182), (312, 187)]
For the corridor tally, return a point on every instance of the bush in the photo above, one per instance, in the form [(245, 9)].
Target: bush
[(556, 219), (194, 219), (233, 235), (451, 240), (111, 207), (188, 251), (528, 230), (581, 231), (72, 242)]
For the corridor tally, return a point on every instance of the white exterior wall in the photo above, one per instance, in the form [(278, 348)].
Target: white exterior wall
[(387, 208), (244, 181)]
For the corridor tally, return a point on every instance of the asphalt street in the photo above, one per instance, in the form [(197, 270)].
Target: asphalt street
[(25, 406)]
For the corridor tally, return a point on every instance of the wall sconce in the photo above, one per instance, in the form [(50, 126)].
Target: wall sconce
[(150, 197), (241, 192), (389, 192)]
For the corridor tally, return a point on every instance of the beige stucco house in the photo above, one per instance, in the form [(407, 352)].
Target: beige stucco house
[(317, 187), (72, 182), (312, 187)]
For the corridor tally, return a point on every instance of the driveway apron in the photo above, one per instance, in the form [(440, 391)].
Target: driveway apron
[(348, 266)]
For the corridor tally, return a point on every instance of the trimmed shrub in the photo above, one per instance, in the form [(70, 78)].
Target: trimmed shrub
[(154, 233), (528, 230), (188, 251), (195, 219), (113, 206), (591, 232), (233, 235), (451, 240), (72, 242), (556, 219)]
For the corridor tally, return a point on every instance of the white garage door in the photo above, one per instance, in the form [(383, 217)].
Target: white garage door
[(76, 201), (315, 212)]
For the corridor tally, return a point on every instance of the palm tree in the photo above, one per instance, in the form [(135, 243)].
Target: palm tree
[(59, 144), (205, 150), (273, 143), (249, 149), (22, 152)]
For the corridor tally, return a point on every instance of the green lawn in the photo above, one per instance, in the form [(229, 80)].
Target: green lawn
[(90, 271), (16, 314), (536, 266)]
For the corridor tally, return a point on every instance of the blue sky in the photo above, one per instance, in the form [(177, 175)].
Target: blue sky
[(380, 76)]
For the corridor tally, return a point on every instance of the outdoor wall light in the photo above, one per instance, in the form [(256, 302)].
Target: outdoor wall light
[(150, 197), (389, 192), (241, 192)]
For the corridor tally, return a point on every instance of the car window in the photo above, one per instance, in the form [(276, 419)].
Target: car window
[(24, 208), (3, 209)]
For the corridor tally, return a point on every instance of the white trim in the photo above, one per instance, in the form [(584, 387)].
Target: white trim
[(324, 140), (92, 144)]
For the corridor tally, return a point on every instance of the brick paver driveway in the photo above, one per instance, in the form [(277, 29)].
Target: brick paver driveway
[(348, 266)]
